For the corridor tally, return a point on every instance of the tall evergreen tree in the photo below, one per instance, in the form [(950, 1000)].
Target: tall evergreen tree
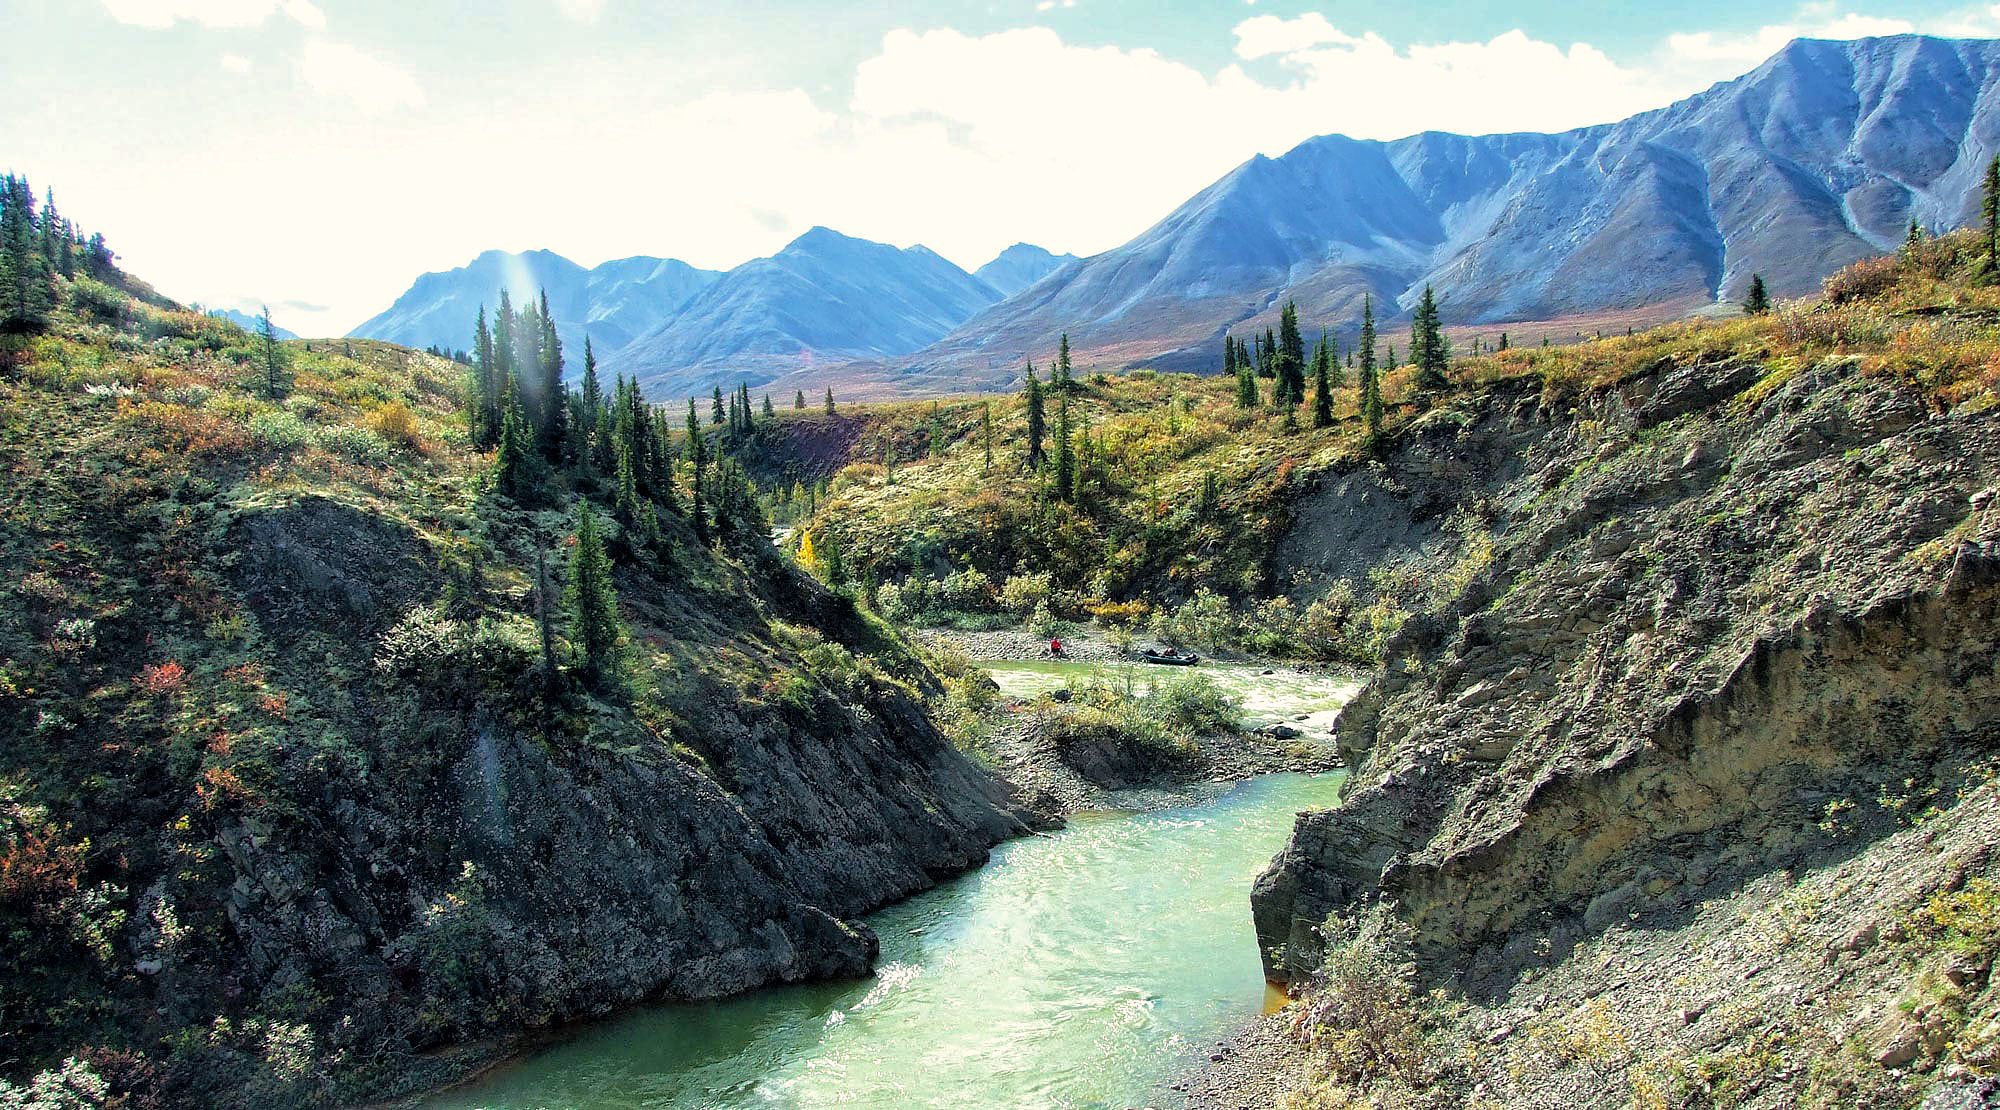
[(593, 396), (277, 381), (1065, 451), (697, 452), (1990, 209), (553, 430), (26, 292), (488, 389), (1913, 240), (1246, 384), (1290, 361), (1430, 351), (1228, 356), (1062, 378), (829, 400), (799, 399), (1371, 384), (1035, 419), (1323, 372), (1758, 301), (715, 416), (591, 599), (515, 472), (769, 410)]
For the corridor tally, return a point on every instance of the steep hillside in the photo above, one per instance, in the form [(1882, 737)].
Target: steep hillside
[(1725, 621), (289, 796), (1819, 157), (611, 304), (1020, 266), (826, 296)]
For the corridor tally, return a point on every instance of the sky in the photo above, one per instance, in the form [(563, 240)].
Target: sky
[(317, 155)]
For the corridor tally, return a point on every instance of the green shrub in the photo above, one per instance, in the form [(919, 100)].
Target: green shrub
[(97, 300), (1192, 705), (357, 444), (278, 430)]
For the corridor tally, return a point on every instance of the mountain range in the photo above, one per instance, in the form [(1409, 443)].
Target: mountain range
[(1819, 157), (611, 304)]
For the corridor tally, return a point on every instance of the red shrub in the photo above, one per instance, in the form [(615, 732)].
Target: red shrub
[(163, 679)]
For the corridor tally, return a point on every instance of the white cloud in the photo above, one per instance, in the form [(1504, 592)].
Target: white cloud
[(213, 13), (235, 63), (1265, 35), (1050, 5), (583, 11), (375, 86)]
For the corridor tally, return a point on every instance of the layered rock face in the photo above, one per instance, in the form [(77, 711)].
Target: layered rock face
[(1723, 600)]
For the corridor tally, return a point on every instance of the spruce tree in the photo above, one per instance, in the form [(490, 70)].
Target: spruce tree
[(26, 291), (1228, 356), (277, 382), (592, 600), (1065, 451), (553, 431), (769, 410), (1246, 385), (1323, 372), (593, 396), (829, 400), (514, 471), (715, 408), (1035, 419), (1211, 496), (799, 399), (1430, 352), (486, 375), (1913, 240), (1758, 301), (1990, 209), (697, 452), (833, 560), (1371, 385), (1062, 379), (1290, 362)]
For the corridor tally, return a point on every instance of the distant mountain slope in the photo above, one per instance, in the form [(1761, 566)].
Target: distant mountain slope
[(1818, 157), (611, 304), (250, 323), (826, 296), (1020, 266)]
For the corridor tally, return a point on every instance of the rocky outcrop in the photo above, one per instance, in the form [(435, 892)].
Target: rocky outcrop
[(1723, 602)]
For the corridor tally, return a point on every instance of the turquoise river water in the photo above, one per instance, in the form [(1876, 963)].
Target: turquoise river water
[(1078, 969)]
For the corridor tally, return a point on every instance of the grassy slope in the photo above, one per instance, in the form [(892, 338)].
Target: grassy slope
[(167, 670), (1135, 533)]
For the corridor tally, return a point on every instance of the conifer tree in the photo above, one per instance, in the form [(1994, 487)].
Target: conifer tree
[(1323, 372), (1062, 379), (1065, 451), (697, 452), (553, 431), (799, 399), (1990, 209), (488, 388), (26, 291), (277, 382), (1371, 385), (1503, 342), (1228, 356), (1290, 361), (1758, 301), (591, 599), (715, 408), (1914, 239), (593, 396), (1211, 496), (1430, 351), (829, 400), (1246, 385), (514, 471), (769, 411), (1035, 419)]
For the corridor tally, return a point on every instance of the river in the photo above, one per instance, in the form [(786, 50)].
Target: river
[(1079, 969)]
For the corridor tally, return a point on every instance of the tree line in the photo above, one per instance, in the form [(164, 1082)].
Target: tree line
[(37, 246)]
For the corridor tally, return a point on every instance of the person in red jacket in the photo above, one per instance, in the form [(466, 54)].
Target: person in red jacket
[(1055, 645)]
